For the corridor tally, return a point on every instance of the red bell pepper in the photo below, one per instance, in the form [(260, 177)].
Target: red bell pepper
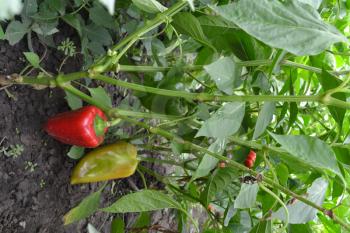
[(250, 160), (84, 127)]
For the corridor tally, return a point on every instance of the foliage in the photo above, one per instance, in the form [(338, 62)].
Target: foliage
[(216, 79)]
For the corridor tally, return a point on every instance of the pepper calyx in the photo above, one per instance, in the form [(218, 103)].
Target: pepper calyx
[(99, 126)]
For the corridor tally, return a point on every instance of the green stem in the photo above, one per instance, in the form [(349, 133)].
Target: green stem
[(204, 96), (114, 112), (106, 63), (188, 68), (280, 201), (164, 161)]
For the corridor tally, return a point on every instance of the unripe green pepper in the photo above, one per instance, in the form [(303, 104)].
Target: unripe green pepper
[(109, 162)]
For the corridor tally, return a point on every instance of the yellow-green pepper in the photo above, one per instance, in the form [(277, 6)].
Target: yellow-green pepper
[(109, 162)]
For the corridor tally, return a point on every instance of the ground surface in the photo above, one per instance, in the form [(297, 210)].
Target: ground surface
[(35, 198)]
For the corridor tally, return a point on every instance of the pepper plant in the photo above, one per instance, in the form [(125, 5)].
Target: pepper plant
[(247, 99)]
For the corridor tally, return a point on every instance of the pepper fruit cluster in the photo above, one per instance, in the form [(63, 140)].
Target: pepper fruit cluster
[(250, 160), (86, 127)]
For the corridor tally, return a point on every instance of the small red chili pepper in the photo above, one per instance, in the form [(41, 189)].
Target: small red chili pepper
[(250, 160), (84, 127)]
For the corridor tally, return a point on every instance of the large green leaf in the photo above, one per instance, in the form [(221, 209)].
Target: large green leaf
[(292, 25), (15, 32), (216, 22), (87, 207), (299, 212), (264, 119), (30, 7), (225, 73), (100, 17), (208, 162), (225, 122), (101, 96), (73, 101), (247, 196), (145, 200), (310, 150), (189, 25)]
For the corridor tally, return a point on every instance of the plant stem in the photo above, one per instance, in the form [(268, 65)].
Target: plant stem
[(114, 111), (63, 82), (280, 201), (187, 68), (107, 62), (204, 96)]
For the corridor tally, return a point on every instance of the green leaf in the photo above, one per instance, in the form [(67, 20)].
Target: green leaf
[(292, 26), (76, 152), (33, 59), (189, 25), (85, 208), (143, 220), (225, 73), (149, 6), (98, 34), (58, 5), (282, 173), (230, 213), (309, 150), (264, 119), (100, 95), (10, 8), (73, 101), (328, 82), (299, 212), (216, 22), (225, 122), (2, 34), (109, 4), (117, 226), (145, 200), (75, 22), (218, 182), (208, 162), (15, 32), (100, 17), (247, 196), (30, 7), (297, 228), (329, 225)]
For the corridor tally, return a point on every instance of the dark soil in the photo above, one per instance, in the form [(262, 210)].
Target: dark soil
[(36, 200)]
